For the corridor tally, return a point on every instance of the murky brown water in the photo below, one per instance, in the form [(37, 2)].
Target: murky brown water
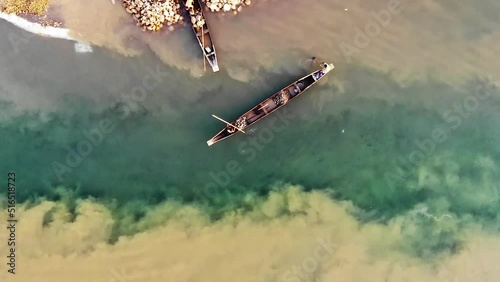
[(409, 37)]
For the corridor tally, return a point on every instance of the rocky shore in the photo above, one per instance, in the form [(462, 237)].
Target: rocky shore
[(153, 15), (227, 5), (33, 12), (25, 7)]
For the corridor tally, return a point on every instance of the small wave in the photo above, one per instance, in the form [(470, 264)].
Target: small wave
[(36, 28)]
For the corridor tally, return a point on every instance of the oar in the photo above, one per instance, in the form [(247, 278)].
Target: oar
[(203, 49), (228, 123), (316, 61)]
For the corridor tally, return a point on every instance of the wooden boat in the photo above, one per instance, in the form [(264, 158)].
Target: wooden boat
[(271, 104), (200, 27)]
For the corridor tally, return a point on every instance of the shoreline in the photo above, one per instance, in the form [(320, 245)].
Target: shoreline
[(37, 28)]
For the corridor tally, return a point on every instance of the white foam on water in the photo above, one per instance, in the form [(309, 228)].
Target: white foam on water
[(36, 28), (82, 47)]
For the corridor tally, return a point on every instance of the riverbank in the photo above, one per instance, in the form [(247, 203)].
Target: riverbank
[(33, 7), (33, 16), (36, 27), (151, 15), (108, 24)]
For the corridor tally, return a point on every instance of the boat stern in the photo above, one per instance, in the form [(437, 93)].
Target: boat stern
[(212, 60), (216, 138), (215, 67)]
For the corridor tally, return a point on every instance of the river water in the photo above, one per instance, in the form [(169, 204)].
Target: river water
[(408, 120)]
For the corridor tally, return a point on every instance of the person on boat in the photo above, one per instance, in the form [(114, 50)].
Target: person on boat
[(318, 74), (230, 128)]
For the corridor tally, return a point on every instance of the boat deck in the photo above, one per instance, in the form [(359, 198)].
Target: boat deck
[(205, 39), (270, 104)]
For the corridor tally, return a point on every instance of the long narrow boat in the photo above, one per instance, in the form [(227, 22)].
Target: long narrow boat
[(271, 104), (200, 27)]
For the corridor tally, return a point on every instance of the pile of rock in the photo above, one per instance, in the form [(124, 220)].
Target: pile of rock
[(227, 5), (50, 23), (153, 14), (26, 7), (197, 20)]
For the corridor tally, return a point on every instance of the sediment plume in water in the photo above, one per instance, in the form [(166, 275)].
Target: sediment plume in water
[(281, 35), (299, 237)]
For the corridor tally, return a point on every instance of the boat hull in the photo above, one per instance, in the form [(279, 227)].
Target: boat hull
[(202, 33), (271, 104)]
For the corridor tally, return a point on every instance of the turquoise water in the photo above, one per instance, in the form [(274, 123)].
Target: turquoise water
[(363, 136)]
